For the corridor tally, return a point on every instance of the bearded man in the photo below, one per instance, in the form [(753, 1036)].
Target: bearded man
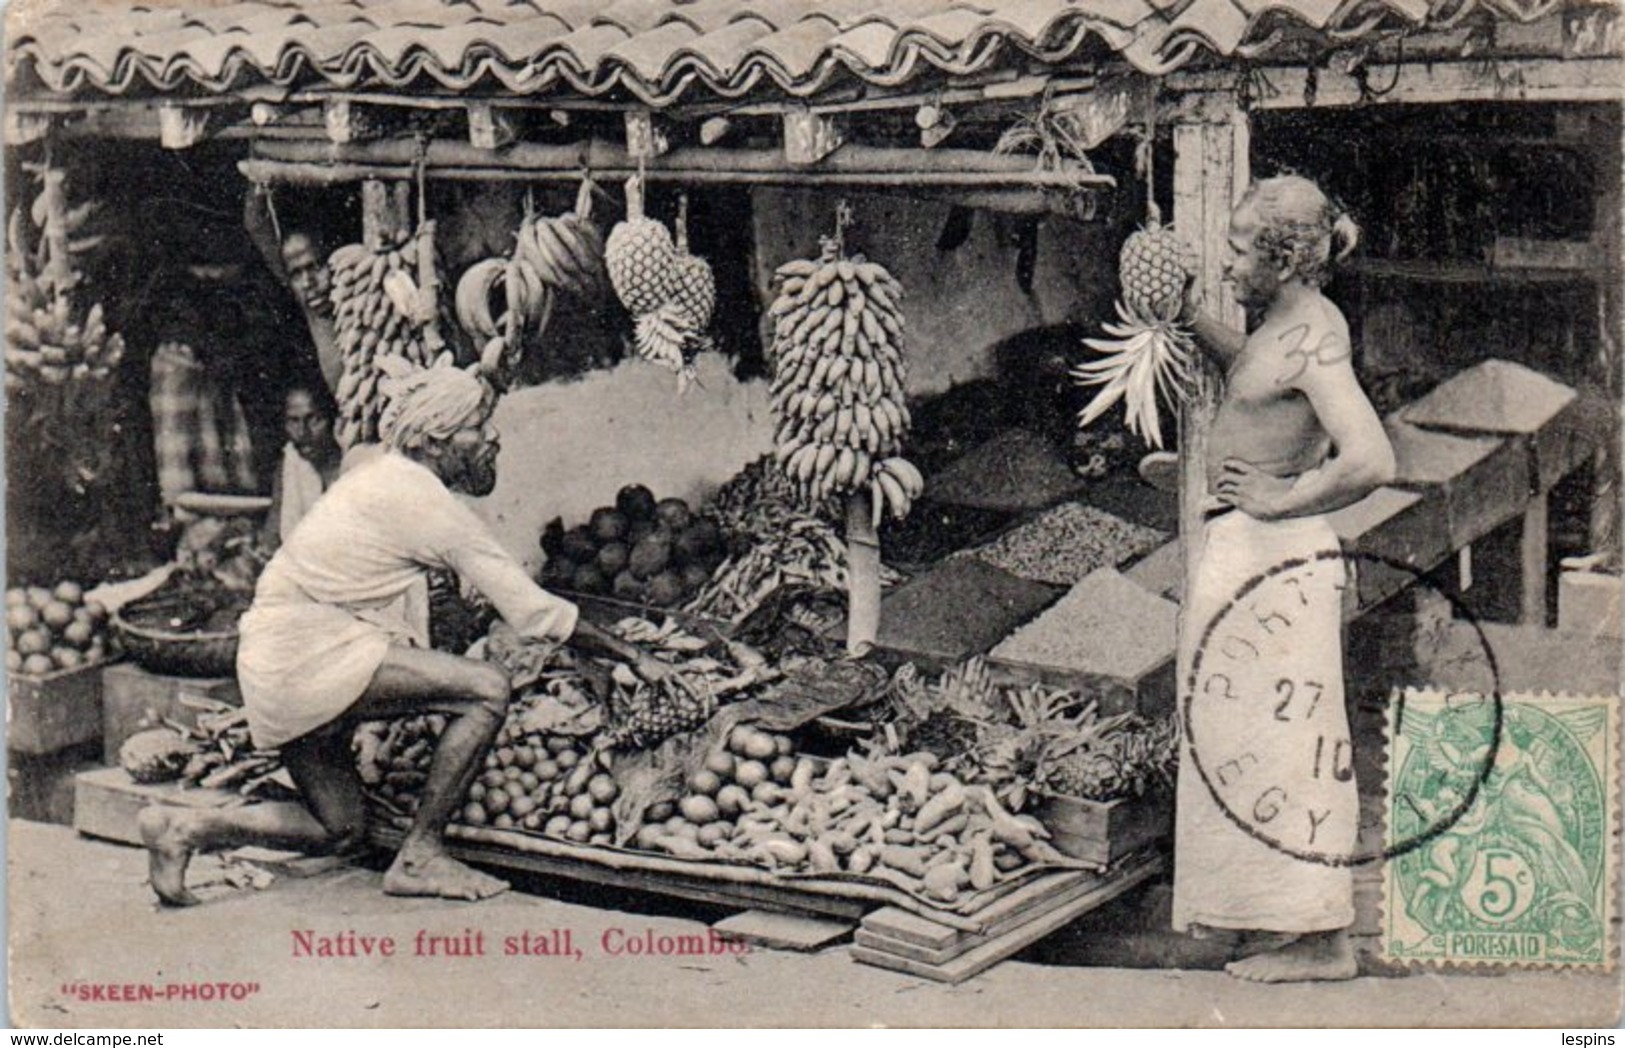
[(338, 634), (1294, 439)]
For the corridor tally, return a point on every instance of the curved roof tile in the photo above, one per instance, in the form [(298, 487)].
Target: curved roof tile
[(657, 50)]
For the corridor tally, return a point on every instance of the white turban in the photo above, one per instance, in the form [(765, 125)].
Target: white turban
[(432, 403)]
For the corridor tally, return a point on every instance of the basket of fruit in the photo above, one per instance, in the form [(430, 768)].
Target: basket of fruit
[(182, 634), (57, 642)]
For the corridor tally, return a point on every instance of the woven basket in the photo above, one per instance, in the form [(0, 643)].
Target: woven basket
[(177, 653)]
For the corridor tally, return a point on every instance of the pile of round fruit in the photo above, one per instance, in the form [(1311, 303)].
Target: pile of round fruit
[(753, 768), (53, 629), (544, 783), (642, 550)]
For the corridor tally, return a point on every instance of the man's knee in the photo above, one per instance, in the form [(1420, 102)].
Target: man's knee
[(490, 686), (346, 835)]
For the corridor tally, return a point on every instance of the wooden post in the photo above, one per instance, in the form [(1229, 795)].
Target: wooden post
[(386, 213), (1211, 171), (1534, 545)]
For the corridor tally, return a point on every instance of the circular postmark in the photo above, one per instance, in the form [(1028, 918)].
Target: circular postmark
[(1263, 708)]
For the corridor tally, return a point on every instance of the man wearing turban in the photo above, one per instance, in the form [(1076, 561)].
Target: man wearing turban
[(338, 634)]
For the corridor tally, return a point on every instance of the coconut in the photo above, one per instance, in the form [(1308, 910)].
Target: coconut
[(666, 588), (650, 557), (635, 502), (612, 558), (674, 513), (695, 576), (629, 587), (588, 579), (608, 525), (578, 545)]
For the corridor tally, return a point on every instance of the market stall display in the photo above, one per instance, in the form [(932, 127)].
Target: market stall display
[(640, 550), (1063, 545), (669, 291)]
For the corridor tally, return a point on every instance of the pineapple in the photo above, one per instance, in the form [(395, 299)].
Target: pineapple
[(659, 713), (695, 289), (1085, 774), (640, 257), (158, 755), (1151, 352)]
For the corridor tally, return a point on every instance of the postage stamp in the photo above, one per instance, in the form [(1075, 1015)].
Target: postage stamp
[(1526, 876)]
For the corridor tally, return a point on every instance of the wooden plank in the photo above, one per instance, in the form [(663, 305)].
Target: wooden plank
[(1401, 534), (385, 213), (1534, 546), (783, 931), (784, 898), (106, 802), (1211, 171), (986, 955), (926, 940)]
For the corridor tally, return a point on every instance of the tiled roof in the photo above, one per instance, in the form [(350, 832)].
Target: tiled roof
[(657, 50)]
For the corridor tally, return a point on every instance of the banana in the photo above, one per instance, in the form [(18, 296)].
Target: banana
[(835, 293), (843, 425), (896, 497), (820, 372), (863, 418), (877, 503), (907, 475), (826, 458), (803, 463), (820, 279), (473, 297), (845, 466), (837, 370), (799, 267), (826, 404), (845, 270), (825, 430)]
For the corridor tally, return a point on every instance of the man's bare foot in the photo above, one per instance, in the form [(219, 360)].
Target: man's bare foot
[(1318, 957), (168, 851), (440, 876)]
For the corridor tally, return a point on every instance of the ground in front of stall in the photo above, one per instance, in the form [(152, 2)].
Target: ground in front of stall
[(83, 925)]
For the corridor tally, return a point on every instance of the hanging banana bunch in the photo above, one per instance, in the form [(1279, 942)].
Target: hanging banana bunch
[(47, 342), (381, 311), (505, 303), (670, 293), (567, 251), (839, 395), (838, 382)]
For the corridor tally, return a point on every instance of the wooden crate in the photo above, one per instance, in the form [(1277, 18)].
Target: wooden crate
[(54, 711), (1401, 535), (134, 699), (1103, 832), (1484, 481), (107, 801)]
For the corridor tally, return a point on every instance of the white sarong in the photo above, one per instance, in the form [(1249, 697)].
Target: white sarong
[(352, 580), (1273, 857)]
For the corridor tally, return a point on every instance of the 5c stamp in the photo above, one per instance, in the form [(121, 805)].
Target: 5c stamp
[(1526, 876)]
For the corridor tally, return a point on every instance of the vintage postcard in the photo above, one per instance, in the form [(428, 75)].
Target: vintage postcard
[(707, 513)]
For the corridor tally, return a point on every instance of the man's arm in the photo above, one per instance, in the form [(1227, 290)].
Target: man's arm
[(262, 231), (1362, 458), (590, 638), (1222, 342)]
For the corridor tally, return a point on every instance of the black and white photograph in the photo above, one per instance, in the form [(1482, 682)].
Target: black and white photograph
[(740, 514)]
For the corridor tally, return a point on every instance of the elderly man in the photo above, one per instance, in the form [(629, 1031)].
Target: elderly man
[(338, 635), (1294, 439)]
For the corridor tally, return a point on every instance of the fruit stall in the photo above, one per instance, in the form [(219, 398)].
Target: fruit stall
[(828, 346)]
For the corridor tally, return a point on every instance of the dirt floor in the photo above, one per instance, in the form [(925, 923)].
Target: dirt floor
[(84, 929)]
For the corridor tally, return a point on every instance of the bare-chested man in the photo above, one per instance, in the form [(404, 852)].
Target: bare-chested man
[(338, 634), (1294, 439)]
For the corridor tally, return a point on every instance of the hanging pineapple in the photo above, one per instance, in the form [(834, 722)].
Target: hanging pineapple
[(673, 333), (1151, 352), (640, 256), (838, 393)]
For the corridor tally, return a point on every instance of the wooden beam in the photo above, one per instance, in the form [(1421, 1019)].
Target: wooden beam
[(263, 114), (386, 213), (1211, 171), (646, 137), (809, 137), (348, 122), (853, 165), (1488, 79), (23, 128), (180, 127), (490, 127)]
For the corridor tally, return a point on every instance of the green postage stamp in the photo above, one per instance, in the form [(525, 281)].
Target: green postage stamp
[(1508, 813)]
